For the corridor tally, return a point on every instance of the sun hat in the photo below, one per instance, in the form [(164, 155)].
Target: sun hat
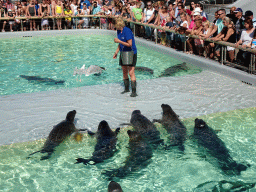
[(9, 10), (197, 9), (196, 13), (238, 10)]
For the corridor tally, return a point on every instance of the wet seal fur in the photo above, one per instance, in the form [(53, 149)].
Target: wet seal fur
[(146, 128), (58, 134), (207, 138), (106, 144), (114, 187), (171, 122), (140, 153)]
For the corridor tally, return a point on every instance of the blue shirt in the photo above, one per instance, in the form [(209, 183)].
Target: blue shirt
[(88, 4), (125, 36)]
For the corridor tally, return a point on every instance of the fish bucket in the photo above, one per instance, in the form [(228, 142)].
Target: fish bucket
[(127, 57)]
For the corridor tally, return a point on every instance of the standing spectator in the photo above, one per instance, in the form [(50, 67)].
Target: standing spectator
[(148, 12), (137, 15), (95, 10), (74, 8), (82, 2), (245, 39), (250, 15), (203, 13), (37, 7), (2, 14), (232, 14), (192, 6), (162, 20), (52, 13), (24, 21), (31, 11), (239, 22), (59, 13), (205, 32), (9, 5), (227, 34), (44, 11)]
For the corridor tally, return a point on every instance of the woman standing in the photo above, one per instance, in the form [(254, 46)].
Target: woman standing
[(126, 44)]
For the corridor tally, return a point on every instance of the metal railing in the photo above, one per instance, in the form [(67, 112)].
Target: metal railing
[(223, 44)]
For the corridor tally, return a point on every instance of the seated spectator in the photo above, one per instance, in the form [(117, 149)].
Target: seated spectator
[(245, 39), (250, 15), (227, 34), (68, 12), (11, 15)]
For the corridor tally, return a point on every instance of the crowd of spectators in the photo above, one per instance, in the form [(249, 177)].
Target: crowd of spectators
[(236, 27)]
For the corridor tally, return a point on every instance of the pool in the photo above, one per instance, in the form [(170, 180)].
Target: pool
[(54, 58), (223, 102)]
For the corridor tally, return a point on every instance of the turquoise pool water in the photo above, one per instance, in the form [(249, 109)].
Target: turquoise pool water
[(56, 57), (168, 170)]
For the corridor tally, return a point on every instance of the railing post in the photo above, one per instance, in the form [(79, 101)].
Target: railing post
[(134, 29), (251, 63), (21, 24), (225, 54), (76, 21), (221, 56), (100, 22), (185, 45)]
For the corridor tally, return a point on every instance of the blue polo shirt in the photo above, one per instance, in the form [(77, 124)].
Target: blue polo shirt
[(125, 36)]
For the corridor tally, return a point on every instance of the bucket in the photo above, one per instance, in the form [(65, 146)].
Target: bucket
[(127, 57)]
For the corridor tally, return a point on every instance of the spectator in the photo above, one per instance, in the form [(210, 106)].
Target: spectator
[(198, 43), (52, 13), (206, 31), (137, 15), (25, 21), (74, 9), (17, 24), (245, 39), (250, 15), (192, 6), (68, 12), (31, 11), (11, 15), (181, 9), (37, 21), (59, 13), (9, 5), (44, 11), (162, 20), (232, 14), (239, 22), (87, 2), (202, 12), (95, 10), (85, 11), (2, 14), (148, 12), (227, 34)]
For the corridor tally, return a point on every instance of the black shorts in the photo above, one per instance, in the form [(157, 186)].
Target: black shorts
[(133, 62)]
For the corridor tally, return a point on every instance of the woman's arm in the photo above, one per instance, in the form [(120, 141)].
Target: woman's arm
[(127, 44), (151, 18), (117, 50)]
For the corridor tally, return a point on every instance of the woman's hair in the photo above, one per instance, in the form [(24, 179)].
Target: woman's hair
[(207, 23), (138, 3), (249, 21), (229, 21), (119, 23)]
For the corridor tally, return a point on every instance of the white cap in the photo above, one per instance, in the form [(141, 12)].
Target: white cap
[(9, 10), (196, 13), (197, 9)]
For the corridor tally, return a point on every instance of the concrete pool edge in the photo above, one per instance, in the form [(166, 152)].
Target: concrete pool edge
[(193, 59)]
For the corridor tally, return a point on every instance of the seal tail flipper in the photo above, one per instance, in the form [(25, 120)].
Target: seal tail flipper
[(33, 153), (81, 160), (235, 167)]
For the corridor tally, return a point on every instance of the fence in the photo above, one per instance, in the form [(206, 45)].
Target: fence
[(250, 69)]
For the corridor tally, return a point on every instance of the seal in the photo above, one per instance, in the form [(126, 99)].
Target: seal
[(114, 187), (171, 122), (207, 138), (106, 144), (47, 81), (58, 134), (146, 128), (140, 153), (171, 71)]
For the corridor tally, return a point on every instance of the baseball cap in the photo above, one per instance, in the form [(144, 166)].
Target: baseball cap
[(196, 13), (248, 13), (238, 10)]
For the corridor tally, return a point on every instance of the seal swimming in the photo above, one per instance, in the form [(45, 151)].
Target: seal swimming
[(114, 187), (146, 128), (171, 122), (91, 70), (207, 138), (42, 80), (58, 134), (140, 153), (106, 144), (171, 71)]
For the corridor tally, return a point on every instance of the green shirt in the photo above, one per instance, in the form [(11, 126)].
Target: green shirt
[(137, 13)]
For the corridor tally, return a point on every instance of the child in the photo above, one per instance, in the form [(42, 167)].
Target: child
[(44, 22), (59, 13), (68, 12)]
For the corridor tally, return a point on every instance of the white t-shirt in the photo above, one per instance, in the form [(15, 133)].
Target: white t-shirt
[(183, 22), (148, 13), (246, 38)]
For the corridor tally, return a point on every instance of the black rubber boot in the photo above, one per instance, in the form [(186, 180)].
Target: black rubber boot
[(133, 84), (126, 86)]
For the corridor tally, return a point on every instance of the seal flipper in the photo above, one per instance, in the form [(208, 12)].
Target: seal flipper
[(157, 121), (117, 130), (90, 132), (84, 161)]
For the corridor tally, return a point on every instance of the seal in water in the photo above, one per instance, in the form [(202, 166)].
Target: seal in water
[(207, 138), (48, 81), (140, 153), (170, 121), (146, 128), (106, 144), (58, 134), (91, 70), (142, 69), (114, 187), (171, 71)]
